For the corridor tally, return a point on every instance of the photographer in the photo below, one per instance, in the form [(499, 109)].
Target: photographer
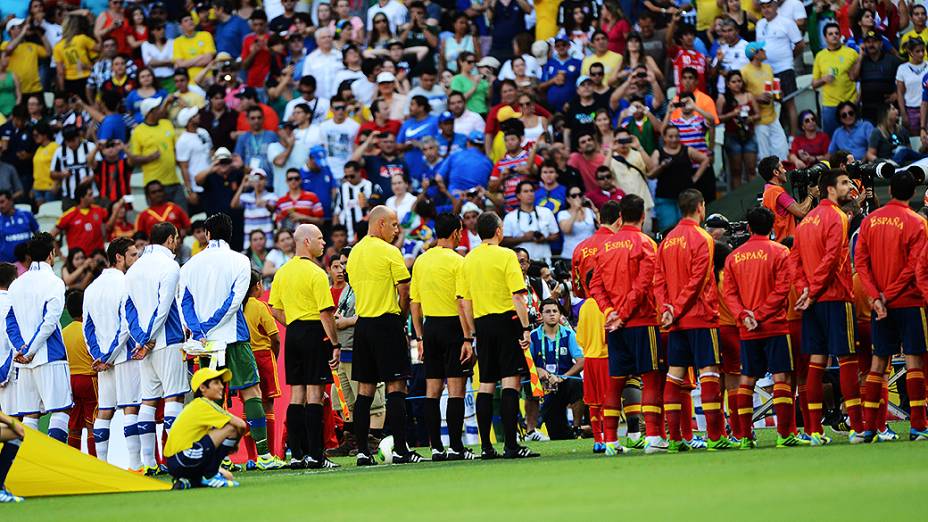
[(786, 210), (530, 227), (25, 53)]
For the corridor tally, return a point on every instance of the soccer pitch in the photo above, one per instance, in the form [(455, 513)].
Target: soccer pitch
[(837, 482)]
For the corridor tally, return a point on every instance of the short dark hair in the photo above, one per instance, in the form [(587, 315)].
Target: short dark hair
[(632, 208), (308, 81), (829, 179), (338, 228), (258, 14), (82, 190), (551, 302), (760, 220), (522, 183), (838, 158), (118, 247), (255, 278), (902, 186), (198, 224), (352, 165), (512, 128), (151, 184), (74, 302), (689, 201), (421, 101), (7, 274), (767, 166), (446, 224), (829, 25), (215, 89), (610, 212), (161, 232), (487, 224), (219, 227), (6, 193), (691, 71), (41, 246), (255, 108)]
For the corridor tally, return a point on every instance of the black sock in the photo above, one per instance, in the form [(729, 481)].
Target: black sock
[(509, 412), (348, 430), (634, 424), (314, 431), (377, 432), (362, 422), (296, 430), (7, 454), (455, 418), (396, 420), (485, 418), (433, 422)]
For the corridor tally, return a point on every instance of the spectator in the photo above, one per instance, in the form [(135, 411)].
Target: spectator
[(730, 55), (256, 57), (918, 17), (147, 88), (559, 77), (875, 69), (323, 63), (401, 201), (465, 120), (578, 31), (630, 165), (257, 204), (771, 141), (152, 146), (161, 210), (448, 140), (551, 194), (74, 56), (78, 269), (811, 145), (192, 150), (230, 29), (220, 182), (193, 49), (297, 205), (605, 189), (353, 198), (71, 166), (468, 169), (641, 123), (516, 165), (677, 168), (739, 112), (26, 47), (381, 167), (218, 119), (43, 186), (120, 82), (853, 135), (890, 140), (9, 180), (588, 158), (16, 227), (318, 107), (284, 250), (705, 105), (380, 111), (84, 226), (256, 250), (611, 60), (681, 41), (831, 73), (653, 37), (696, 133), (909, 84), (471, 84), (252, 146), (783, 41), (119, 224), (419, 125), (581, 112), (636, 56), (427, 172), (530, 227), (103, 67), (577, 221), (249, 99), (338, 134)]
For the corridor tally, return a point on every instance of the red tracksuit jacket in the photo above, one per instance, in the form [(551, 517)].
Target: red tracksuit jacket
[(820, 260), (890, 241), (584, 259), (756, 279), (623, 276), (685, 277)]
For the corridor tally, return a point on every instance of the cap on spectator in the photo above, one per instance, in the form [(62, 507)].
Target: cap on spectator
[(148, 104), (507, 113), (489, 61), (14, 22), (469, 206), (393, 41), (752, 49), (767, 1), (386, 77), (540, 50), (445, 117), (717, 221), (222, 153), (583, 78), (873, 35), (185, 115), (257, 171), (561, 38), (248, 92), (223, 56), (475, 136)]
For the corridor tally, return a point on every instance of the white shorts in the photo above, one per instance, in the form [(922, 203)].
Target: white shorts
[(164, 374), (119, 387), (8, 395), (44, 389), (771, 140)]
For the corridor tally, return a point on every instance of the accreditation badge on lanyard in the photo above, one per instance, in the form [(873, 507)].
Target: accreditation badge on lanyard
[(549, 367)]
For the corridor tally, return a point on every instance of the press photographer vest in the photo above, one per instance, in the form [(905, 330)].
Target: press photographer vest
[(783, 225)]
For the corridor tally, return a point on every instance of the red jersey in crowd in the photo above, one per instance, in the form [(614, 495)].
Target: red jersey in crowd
[(756, 279), (261, 64), (271, 120), (306, 203), (623, 277), (167, 211), (820, 260), (685, 278), (584, 259), (683, 58), (505, 169), (890, 241), (83, 227)]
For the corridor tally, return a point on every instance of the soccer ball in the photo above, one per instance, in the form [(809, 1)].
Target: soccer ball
[(385, 450)]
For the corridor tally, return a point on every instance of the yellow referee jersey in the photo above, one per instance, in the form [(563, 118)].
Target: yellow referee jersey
[(374, 268), (489, 277), (301, 290), (434, 282), (591, 330)]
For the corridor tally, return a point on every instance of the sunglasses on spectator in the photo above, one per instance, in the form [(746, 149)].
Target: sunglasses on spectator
[(846, 114), (293, 179), (575, 195), (338, 107), (470, 61), (603, 178), (810, 120)]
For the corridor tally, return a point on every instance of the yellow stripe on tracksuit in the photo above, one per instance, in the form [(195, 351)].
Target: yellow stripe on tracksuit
[(924, 325), (714, 334), (849, 319), (652, 339)]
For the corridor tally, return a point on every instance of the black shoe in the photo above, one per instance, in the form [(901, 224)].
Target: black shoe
[(325, 463), (365, 460), (520, 452), (343, 449), (464, 454), (410, 457), (298, 463), (439, 456), (489, 454)]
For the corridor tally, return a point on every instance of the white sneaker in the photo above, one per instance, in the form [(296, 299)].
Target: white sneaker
[(536, 436), (655, 445)]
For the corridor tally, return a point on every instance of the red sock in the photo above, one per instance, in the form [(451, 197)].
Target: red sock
[(686, 413), (652, 384), (814, 394), (783, 408), (915, 385), (734, 420), (711, 394), (672, 407), (873, 385), (744, 410), (271, 421), (802, 394), (596, 423), (612, 409), (851, 391), (792, 418)]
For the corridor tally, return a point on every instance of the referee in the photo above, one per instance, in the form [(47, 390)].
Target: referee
[(300, 298), (492, 289), (441, 338), (380, 281)]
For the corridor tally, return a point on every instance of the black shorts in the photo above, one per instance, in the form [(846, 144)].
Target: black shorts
[(199, 461), (787, 82), (381, 350), (498, 352), (634, 350), (903, 327), (442, 338), (770, 354), (829, 328), (307, 353)]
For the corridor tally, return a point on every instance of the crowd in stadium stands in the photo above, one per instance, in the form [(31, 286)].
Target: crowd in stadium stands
[(117, 116)]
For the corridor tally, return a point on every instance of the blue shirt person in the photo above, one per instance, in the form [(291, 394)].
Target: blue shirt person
[(560, 92), (16, 226), (468, 168)]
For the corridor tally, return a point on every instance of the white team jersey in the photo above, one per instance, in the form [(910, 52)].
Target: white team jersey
[(213, 286), (6, 349), (106, 329), (36, 304), (151, 302)]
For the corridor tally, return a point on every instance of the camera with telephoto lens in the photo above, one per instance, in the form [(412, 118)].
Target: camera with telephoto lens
[(866, 171), (802, 179), (738, 233)]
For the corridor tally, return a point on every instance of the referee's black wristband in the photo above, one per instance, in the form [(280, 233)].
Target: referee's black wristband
[(418, 339), (527, 328), (337, 346), (469, 340)]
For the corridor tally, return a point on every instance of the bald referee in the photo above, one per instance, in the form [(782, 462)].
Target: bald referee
[(492, 289), (442, 348), (380, 281), (300, 298)]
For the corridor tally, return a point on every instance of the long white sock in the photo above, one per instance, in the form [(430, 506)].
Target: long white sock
[(133, 446), (171, 411), (147, 438), (101, 436), (31, 422), (58, 426)]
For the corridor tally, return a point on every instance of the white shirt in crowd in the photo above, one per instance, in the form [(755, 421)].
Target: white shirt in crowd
[(532, 68), (733, 59), (106, 329), (151, 304), (396, 14), (911, 76), (781, 35), (194, 148), (323, 67), (213, 286), (348, 204), (468, 122), (364, 90), (338, 139), (581, 230), (257, 215), (318, 106), (793, 10), (401, 206), (438, 100), (150, 53), (36, 304), (540, 219)]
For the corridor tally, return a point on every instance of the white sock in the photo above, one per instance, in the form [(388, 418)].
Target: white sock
[(31, 422), (147, 434), (171, 411), (101, 437), (634, 436), (133, 446), (58, 426)]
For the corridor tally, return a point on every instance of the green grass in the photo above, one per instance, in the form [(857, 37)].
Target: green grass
[(838, 482)]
